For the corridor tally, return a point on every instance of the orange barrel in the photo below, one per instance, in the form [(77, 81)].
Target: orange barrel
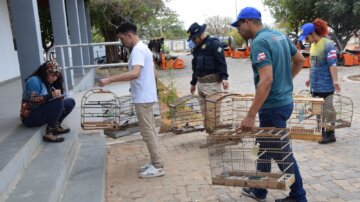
[(236, 54), (348, 59), (178, 63), (307, 62)]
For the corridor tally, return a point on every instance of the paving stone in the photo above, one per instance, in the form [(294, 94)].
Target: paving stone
[(330, 172)]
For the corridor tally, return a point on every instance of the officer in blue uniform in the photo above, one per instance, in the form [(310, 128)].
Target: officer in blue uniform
[(208, 64)]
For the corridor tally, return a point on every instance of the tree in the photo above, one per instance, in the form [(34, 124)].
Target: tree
[(218, 26), (47, 37), (166, 24), (238, 40), (341, 15), (291, 14), (107, 14)]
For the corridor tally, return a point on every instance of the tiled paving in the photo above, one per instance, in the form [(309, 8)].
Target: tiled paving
[(330, 172)]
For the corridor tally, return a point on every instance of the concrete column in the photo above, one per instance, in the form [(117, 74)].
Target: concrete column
[(75, 36), (25, 19), (88, 24), (61, 37), (84, 31)]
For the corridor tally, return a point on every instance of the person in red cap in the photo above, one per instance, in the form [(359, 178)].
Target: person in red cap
[(208, 64), (323, 79), (43, 103), (275, 62)]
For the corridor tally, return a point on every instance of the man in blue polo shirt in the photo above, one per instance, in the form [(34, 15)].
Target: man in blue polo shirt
[(275, 62)]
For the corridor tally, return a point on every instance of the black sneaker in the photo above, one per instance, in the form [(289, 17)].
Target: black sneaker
[(287, 199), (326, 140), (250, 193)]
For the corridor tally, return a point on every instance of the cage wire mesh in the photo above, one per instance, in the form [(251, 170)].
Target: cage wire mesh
[(100, 109), (261, 158), (128, 116), (305, 120), (186, 115), (337, 112), (226, 110)]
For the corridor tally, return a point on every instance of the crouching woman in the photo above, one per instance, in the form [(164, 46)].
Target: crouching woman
[(43, 102)]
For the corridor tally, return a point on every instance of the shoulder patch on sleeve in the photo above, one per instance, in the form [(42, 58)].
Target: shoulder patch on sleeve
[(261, 56), (219, 49)]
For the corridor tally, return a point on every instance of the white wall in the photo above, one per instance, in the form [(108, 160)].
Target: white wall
[(9, 64)]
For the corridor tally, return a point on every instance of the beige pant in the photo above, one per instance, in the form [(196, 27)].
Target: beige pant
[(205, 89), (144, 113)]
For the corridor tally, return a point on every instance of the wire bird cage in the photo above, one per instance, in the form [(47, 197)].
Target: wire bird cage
[(100, 109), (128, 116), (186, 115), (225, 110), (305, 121), (261, 158), (337, 112)]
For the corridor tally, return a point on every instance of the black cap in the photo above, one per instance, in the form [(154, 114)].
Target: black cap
[(195, 30)]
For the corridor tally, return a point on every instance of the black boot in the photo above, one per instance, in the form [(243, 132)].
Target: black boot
[(327, 137), (331, 134)]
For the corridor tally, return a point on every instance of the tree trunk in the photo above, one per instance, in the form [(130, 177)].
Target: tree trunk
[(112, 52)]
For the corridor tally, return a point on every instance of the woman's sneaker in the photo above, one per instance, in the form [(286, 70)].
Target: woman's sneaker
[(151, 172)]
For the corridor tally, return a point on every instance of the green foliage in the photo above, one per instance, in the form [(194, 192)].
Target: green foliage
[(96, 35), (165, 49), (152, 17), (291, 14), (107, 14), (167, 93), (47, 36), (171, 95), (166, 24), (239, 41), (342, 15)]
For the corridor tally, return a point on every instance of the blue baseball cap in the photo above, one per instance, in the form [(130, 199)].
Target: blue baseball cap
[(247, 13), (307, 29)]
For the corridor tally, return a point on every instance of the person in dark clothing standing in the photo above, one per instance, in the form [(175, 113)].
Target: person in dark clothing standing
[(208, 64)]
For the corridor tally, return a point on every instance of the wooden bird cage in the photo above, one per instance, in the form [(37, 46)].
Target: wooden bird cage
[(225, 110), (100, 109), (186, 115), (337, 112), (305, 120), (261, 158)]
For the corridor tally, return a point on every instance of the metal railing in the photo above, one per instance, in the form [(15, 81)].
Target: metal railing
[(68, 69)]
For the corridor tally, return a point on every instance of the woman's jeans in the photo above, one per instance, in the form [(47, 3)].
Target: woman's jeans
[(49, 113), (277, 117), (325, 133)]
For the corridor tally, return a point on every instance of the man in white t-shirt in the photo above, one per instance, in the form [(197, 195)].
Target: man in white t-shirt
[(143, 91)]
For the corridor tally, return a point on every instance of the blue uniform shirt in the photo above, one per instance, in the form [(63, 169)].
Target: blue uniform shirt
[(322, 56), (271, 47)]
